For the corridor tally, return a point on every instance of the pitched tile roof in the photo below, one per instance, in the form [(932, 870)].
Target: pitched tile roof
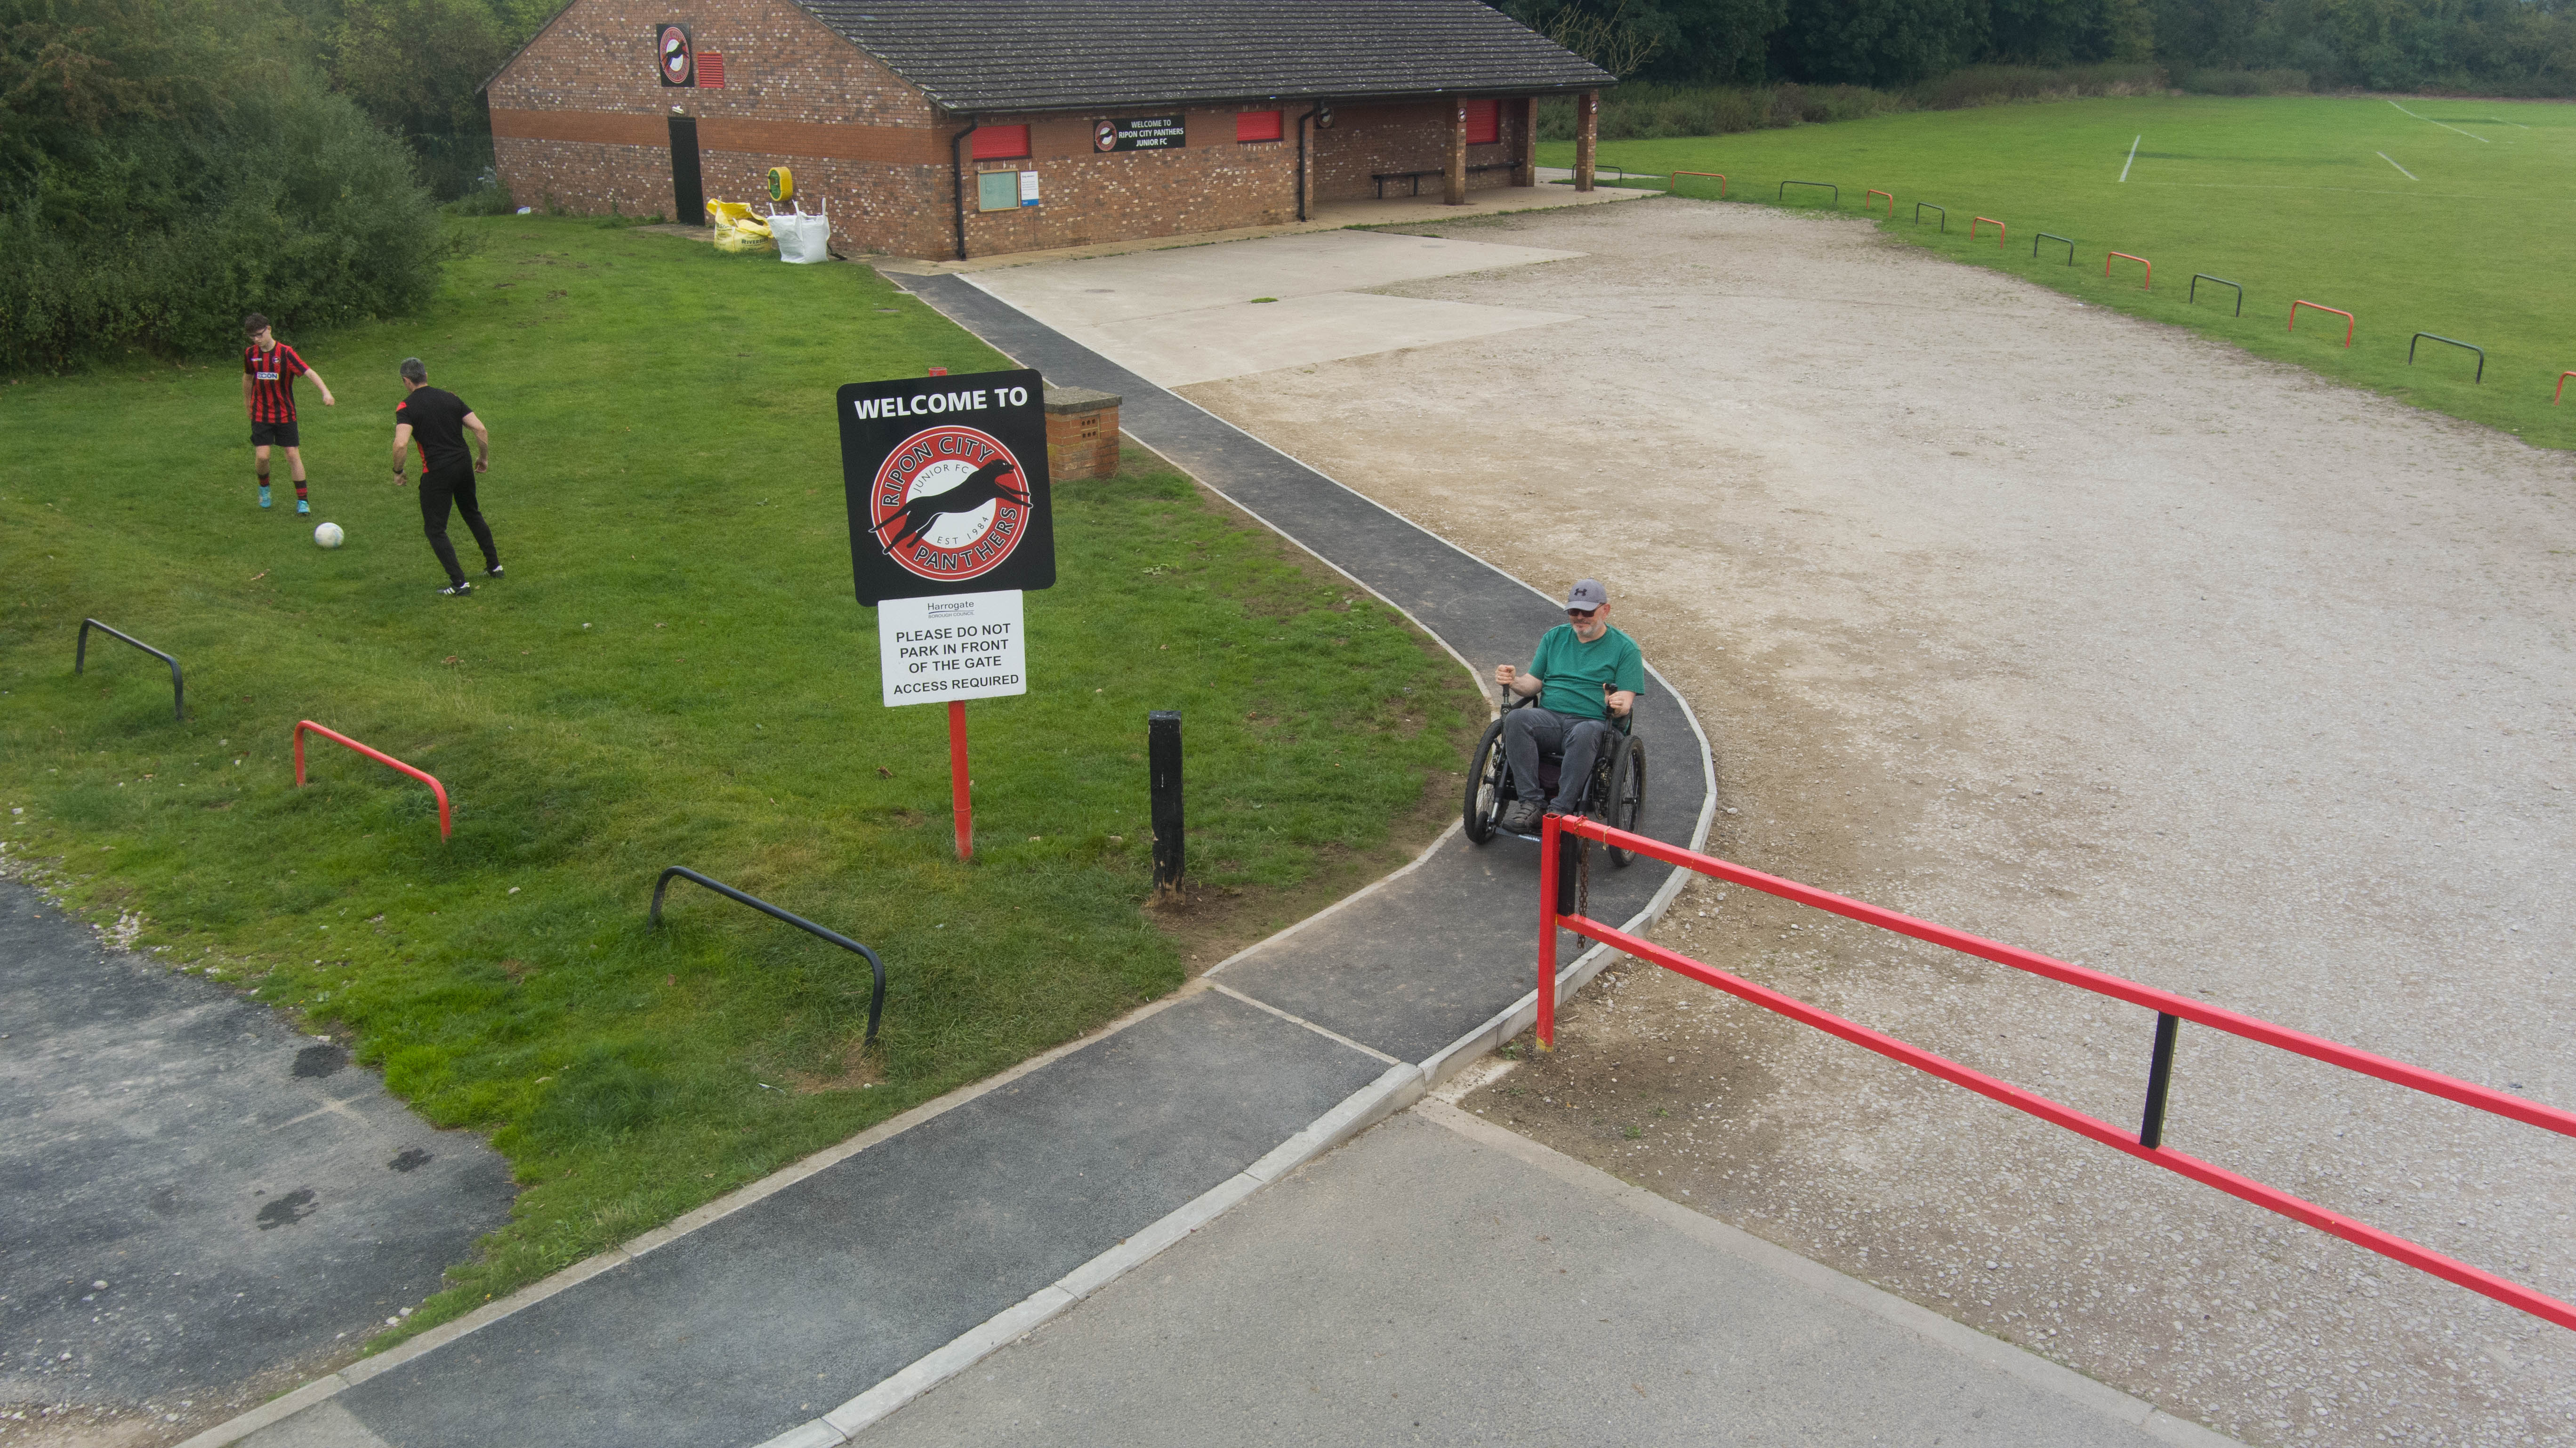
[(1046, 55)]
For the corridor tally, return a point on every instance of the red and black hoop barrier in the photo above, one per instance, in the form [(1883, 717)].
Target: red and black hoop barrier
[(1720, 175), (2193, 295), (876, 1000), (2338, 311), (1557, 911), (302, 726), (178, 686), (2456, 342)]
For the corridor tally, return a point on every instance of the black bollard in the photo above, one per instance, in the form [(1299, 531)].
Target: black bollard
[(1163, 771)]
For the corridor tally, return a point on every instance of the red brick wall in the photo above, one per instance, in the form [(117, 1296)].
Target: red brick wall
[(1213, 184), (580, 119), (1364, 141)]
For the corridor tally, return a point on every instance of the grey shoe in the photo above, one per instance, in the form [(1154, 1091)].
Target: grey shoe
[(1522, 816)]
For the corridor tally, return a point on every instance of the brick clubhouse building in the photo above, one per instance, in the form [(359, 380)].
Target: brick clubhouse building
[(965, 128)]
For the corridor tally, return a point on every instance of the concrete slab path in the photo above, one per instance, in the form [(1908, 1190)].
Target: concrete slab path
[(807, 1307), (1444, 1281)]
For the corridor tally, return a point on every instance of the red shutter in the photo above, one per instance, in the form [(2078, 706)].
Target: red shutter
[(711, 70), (1257, 126), (1484, 122), (1001, 143)]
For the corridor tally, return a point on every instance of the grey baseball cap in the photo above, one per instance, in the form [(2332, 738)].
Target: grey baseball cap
[(1587, 593)]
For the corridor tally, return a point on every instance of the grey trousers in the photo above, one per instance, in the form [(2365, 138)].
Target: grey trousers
[(1530, 730)]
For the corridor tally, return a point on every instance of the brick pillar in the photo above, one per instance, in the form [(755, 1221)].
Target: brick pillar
[(1081, 434), (1457, 165), (1587, 137), (1525, 145)]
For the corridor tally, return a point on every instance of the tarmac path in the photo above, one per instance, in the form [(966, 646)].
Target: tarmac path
[(199, 1205)]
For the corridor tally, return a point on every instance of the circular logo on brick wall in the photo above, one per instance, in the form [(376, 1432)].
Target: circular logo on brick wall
[(950, 503), (1104, 137), (676, 60)]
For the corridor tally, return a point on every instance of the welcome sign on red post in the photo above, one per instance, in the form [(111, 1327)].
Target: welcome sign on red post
[(946, 484)]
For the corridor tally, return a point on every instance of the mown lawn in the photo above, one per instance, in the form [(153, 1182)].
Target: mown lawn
[(672, 673), (2444, 216)]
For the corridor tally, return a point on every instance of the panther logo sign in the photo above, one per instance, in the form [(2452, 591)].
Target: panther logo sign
[(679, 63), (949, 503)]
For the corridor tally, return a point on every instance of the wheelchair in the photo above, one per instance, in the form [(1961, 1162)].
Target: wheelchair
[(1615, 797)]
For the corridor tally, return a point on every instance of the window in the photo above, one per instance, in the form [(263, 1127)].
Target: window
[(997, 190), (1001, 143), (1484, 122), (1256, 126)]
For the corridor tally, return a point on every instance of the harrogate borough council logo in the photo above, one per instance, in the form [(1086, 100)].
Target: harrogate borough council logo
[(950, 503)]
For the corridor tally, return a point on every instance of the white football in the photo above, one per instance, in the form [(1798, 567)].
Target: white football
[(328, 535)]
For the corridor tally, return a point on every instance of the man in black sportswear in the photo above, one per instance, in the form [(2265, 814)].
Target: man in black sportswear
[(435, 421)]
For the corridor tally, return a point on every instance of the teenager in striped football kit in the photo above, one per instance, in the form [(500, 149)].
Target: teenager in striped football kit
[(269, 370)]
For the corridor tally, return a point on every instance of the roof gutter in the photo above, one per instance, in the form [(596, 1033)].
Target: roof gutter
[(1099, 108)]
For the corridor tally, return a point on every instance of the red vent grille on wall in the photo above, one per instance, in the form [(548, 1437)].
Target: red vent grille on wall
[(711, 70), (1257, 126), (1484, 118), (1000, 143)]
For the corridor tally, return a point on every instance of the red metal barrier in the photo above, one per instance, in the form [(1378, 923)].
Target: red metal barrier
[(2146, 286), (1999, 230), (1721, 180), (2147, 1144), (2562, 388), (1891, 202), (2338, 311), (379, 756)]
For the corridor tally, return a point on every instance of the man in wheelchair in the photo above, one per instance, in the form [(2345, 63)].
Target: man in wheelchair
[(1586, 676)]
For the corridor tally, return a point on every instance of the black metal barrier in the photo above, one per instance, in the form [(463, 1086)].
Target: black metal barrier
[(2453, 341), (1918, 214), (2194, 293), (1826, 185), (876, 1001), (178, 686), (2053, 236), (1163, 784)]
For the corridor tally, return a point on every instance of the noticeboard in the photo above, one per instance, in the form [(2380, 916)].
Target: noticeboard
[(1147, 133), (946, 482)]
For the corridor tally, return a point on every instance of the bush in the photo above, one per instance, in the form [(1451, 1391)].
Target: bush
[(289, 202), (2245, 82), (1643, 111)]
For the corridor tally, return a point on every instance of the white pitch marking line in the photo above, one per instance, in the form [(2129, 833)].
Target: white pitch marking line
[(2133, 157), (2391, 160), (2428, 120)]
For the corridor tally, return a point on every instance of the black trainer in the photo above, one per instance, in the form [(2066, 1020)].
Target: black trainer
[(1522, 816), (456, 590), (492, 572)]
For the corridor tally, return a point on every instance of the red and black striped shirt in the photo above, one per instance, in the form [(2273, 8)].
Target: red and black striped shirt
[(272, 382)]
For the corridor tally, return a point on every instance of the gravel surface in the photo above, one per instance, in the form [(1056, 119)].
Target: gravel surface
[(2093, 636)]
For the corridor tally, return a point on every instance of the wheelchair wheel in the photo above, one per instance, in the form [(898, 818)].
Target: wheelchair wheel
[(1627, 798), (1485, 785)]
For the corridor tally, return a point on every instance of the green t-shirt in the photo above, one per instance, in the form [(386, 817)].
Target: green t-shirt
[(1575, 670)]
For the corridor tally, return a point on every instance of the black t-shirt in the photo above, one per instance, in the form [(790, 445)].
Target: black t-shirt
[(437, 426)]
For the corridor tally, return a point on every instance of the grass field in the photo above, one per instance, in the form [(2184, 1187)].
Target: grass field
[(673, 673), (2442, 216)]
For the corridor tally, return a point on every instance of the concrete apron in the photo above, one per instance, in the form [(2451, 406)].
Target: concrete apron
[(808, 1306)]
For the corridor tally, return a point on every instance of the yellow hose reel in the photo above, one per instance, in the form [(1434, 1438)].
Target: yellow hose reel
[(782, 184)]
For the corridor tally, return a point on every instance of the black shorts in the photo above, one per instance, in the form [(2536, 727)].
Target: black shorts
[(273, 434)]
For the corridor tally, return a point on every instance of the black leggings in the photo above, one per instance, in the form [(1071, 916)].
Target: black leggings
[(440, 487)]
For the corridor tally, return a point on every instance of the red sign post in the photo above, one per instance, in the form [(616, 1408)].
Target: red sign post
[(949, 527)]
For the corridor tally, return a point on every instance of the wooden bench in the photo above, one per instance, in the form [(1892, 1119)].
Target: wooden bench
[(1415, 177)]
